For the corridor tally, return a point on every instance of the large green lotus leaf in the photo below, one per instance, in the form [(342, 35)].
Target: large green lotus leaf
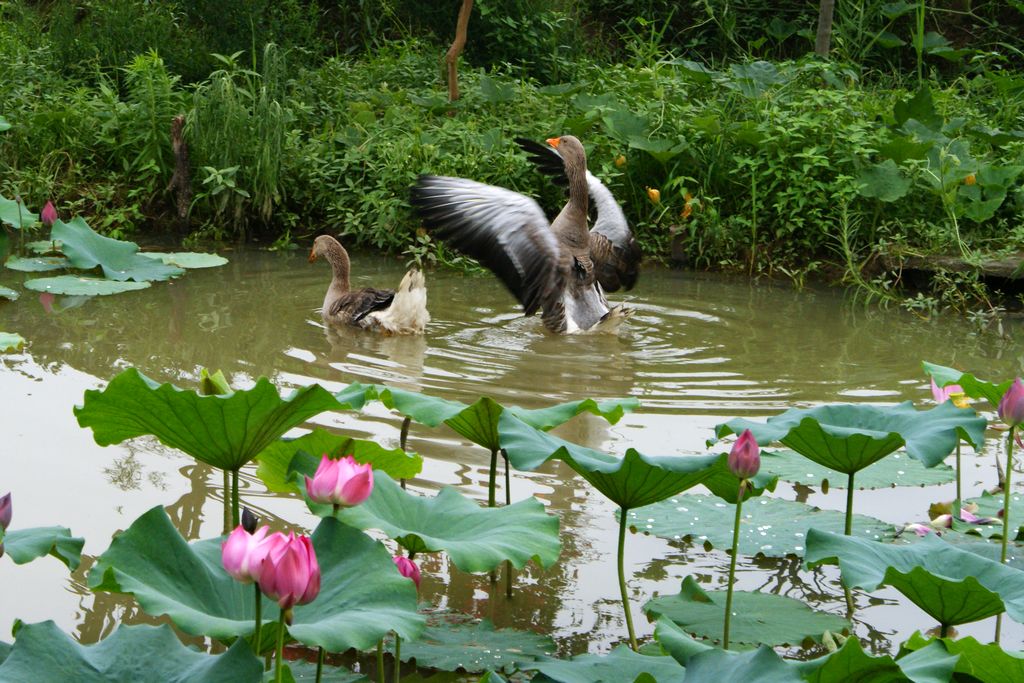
[(225, 430), (952, 585), (187, 259), (8, 293), (987, 663), (361, 598), (9, 341), (849, 437), (86, 249), (306, 671), (895, 470), (478, 422), (621, 665), (476, 538), (932, 664), (460, 642), (362, 595), (763, 618), (131, 654), (75, 285), (990, 505), (769, 526), (38, 264), (281, 458), (5, 649), (25, 545), (629, 481), (972, 386), (16, 214), (43, 247)]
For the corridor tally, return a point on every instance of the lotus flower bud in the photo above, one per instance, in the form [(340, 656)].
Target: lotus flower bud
[(249, 520), (48, 216), (6, 510), (342, 482), (290, 573), (745, 456), (919, 529), (242, 553), (1011, 407), (408, 569)]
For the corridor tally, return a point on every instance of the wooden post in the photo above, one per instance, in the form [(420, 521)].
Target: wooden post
[(824, 36), (452, 56), (181, 183)]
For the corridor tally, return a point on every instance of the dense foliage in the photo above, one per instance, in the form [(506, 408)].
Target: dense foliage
[(304, 117)]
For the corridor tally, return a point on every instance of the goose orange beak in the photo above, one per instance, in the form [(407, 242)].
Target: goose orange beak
[(554, 142), (312, 255)]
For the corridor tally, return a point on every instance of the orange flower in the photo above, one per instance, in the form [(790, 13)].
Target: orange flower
[(620, 161), (654, 195), (970, 179), (688, 207)]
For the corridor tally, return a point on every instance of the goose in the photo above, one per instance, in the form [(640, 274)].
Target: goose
[(379, 310), (560, 267)]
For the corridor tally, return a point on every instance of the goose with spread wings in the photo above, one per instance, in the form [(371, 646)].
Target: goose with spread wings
[(561, 268)]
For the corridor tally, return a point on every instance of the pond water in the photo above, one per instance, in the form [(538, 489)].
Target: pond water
[(701, 349)]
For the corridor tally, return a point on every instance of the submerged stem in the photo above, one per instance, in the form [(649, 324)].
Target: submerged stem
[(732, 566), (622, 577)]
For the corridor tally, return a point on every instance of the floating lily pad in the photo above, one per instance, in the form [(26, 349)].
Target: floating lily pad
[(25, 545), (770, 526), (39, 264), (990, 505), (476, 538), (362, 595), (897, 469), (952, 585), (763, 618), (280, 459), (43, 246), (120, 260), (15, 214), (621, 665), (972, 386), (186, 259), (8, 293), (459, 642), (306, 671), (224, 430), (10, 341), (42, 652), (987, 663), (849, 437), (82, 286)]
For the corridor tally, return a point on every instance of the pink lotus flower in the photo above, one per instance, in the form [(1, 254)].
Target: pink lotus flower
[(408, 569), (919, 529), (342, 482), (48, 216), (46, 300), (6, 511), (290, 573), (745, 456), (242, 553), (952, 392), (1011, 407)]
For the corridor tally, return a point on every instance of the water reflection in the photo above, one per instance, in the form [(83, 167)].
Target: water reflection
[(699, 349)]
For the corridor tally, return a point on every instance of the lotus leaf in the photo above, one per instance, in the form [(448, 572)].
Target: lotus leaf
[(763, 618), (280, 459), (25, 545), (972, 386), (5, 649), (9, 341), (850, 437), (43, 247), (226, 430), (896, 470), (992, 506), (38, 264), (131, 654), (770, 526), (361, 598), (459, 642), (986, 663), (621, 665), (8, 293), (15, 214), (954, 586), (86, 249), (306, 671), (476, 538), (82, 286), (187, 259), (761, 665)]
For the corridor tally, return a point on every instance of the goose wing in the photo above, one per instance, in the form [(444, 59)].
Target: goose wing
[(362, 302), (505, 231)]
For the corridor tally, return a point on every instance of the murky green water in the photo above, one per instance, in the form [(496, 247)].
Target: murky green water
[(700, 350)]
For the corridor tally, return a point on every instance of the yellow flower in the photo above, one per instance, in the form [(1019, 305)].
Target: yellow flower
[(970, 179), (654, 195), (620, 161), (688, 207), (960, 400)]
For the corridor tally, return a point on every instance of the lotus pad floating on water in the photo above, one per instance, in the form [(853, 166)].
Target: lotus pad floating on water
[(186, 259), (8, 293), (38, 264), (82, 286), (619, 665), (770, 526), (898, 469), (87, 249), (11, 342)]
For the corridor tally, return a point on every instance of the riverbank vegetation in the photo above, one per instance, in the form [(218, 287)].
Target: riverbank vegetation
[(305, 117)]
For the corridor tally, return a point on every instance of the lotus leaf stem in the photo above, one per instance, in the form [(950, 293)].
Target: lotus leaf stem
[(732, 565), (257, 632), (491, 477), (402, 440), (1006, 513), (398, 659), (319, 664), (622, 577), (279, 661), (235, 517), (943, 630), (508, 501), (380, 661), (227, 502), (849, 532), (959, 497)]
